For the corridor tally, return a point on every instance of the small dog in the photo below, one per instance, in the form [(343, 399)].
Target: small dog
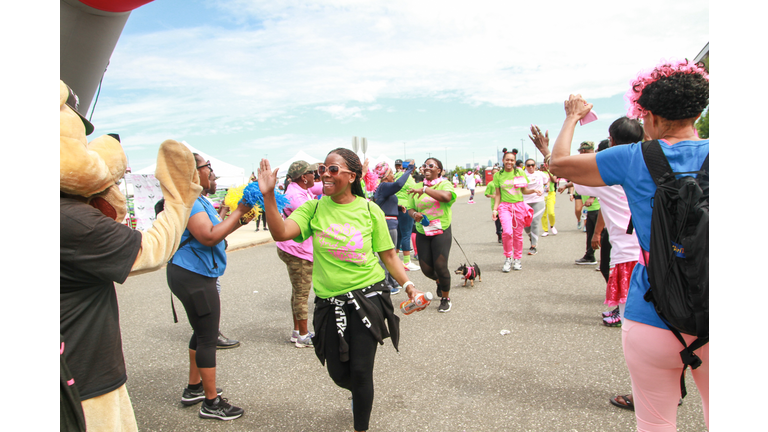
[(470, 273)]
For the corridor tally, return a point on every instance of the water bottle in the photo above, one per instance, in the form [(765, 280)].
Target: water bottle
[(583, 214), (420, 302), (424, 220)]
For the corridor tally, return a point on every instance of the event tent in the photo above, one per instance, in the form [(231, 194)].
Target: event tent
[(282, 169), (229, 175)]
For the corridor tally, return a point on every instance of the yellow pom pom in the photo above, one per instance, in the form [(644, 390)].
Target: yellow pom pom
[(233, 197)]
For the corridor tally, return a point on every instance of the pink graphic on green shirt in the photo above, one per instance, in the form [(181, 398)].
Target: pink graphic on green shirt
[(430, 207), (509, 186), (343, 242)]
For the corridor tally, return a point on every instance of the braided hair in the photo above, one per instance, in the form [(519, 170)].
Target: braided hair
[(354, 165)]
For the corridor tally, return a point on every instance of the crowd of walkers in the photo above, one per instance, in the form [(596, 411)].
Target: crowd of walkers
[(344, 227)]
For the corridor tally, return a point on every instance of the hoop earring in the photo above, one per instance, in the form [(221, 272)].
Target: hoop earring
[(305, 181)]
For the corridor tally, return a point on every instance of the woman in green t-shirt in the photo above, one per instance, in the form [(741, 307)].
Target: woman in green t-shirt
[(509, 207), (490, 192), (434, 199), (351, 300)]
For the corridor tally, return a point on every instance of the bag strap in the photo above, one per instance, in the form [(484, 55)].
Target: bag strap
[(656, 161)]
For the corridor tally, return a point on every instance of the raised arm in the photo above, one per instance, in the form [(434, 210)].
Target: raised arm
[(279, 229)]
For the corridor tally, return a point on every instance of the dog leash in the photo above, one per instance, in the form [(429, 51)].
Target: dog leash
[(462, 251)]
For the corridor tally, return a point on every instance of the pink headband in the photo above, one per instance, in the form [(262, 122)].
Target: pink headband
[(649, 76)]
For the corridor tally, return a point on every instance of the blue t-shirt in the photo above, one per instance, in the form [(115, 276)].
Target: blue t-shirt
[(202, 263), (624, 165)]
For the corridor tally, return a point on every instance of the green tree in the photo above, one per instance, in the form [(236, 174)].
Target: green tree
[(702, 125)]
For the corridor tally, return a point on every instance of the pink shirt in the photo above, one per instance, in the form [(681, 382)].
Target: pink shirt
[(297, 196), (616, 214)]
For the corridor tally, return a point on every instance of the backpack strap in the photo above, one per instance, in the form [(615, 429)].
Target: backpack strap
[(656, 161)]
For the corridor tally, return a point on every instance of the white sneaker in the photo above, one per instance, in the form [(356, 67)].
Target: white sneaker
[(544, 234), (516, 265), (553, 230), (304, 341), (412, 267), (294, 336), (507, 265)]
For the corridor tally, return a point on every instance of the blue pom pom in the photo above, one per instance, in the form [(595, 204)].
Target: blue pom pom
[(252, 196)]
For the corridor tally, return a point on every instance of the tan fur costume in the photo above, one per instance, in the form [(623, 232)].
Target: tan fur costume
[(91, 171)]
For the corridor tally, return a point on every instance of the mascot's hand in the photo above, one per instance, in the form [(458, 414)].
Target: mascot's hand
[(179, 180)]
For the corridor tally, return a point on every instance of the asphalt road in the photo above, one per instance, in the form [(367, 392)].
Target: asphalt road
[(554, 371)]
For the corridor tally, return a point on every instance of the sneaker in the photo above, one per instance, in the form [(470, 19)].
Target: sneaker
[(507, 265), (221, 409), (609, 313), (553, 231), (544, 234), (612, 321), (191, 397), (585, 261), (499, 235), (304, 341), (224, 342), (394, 291), (294, 336), (532, 251), (412, 266), (516, 265), (445, 305)]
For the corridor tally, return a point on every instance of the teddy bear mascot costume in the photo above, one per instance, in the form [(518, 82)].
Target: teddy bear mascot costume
[(97, 250)]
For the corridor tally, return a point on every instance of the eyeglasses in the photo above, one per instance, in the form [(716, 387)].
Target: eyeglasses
[(207, 164), (333, 170), (430, 166)]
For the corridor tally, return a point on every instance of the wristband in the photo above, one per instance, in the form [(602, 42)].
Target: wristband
[(424, 190), (405, 285)]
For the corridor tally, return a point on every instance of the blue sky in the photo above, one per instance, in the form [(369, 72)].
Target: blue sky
[(243, 80)]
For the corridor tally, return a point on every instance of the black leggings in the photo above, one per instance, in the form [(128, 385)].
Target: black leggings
[(200, 298), (433, 258), (355, 375), (590, 225), (605, 254)]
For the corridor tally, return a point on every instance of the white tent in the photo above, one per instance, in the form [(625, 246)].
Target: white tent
[(301, 155), (372, 161), (230, 175)]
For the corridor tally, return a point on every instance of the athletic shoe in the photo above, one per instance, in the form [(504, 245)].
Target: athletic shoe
[(304, 341), (544, 234), (585, 261), (553, 231), (507, 265), (612, 321), (294, 336), (470, 202), (532, 251), (445, 305), (394, 291), (609, 313), (221, 409), (499, 235), (412, 266), (224, 342), (516, 265), (191, 397)]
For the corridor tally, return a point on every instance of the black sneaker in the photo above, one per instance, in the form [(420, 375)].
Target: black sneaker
[(221, 409), (191, 397), (586, 261), (445, 305)]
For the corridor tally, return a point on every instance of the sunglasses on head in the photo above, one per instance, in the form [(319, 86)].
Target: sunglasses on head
[(207, 164), (333, 170), (429, 165)]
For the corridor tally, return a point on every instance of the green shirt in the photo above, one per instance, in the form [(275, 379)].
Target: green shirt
[(403, 197), (490, 191), (433, 208), (505, 181), (595, 204), (344, 238)]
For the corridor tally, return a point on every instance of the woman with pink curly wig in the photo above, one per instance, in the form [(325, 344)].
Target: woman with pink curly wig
[(668, 98)]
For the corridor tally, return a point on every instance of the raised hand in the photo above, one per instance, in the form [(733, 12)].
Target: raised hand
[(267, 178), (541, 140), (576, 107)]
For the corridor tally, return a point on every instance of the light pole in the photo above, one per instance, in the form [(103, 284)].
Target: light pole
[(522, 144)]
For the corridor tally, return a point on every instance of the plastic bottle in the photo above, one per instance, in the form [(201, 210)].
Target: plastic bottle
[(420, 302), (584, 213), (424, 220)]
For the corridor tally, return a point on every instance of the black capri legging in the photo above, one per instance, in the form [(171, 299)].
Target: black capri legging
[(200, 298), (433, 257)]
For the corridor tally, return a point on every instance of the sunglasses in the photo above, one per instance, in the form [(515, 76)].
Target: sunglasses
[(429, 165), (333, 170), (207, 164), (530, 165)]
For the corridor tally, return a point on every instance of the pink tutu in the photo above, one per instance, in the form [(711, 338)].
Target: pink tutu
[(618, 283)]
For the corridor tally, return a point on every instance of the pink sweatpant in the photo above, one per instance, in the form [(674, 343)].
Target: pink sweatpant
[(653, 359), (512, 217)]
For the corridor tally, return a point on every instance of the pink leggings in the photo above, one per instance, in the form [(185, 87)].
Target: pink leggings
[(512, 217), (653, 358)]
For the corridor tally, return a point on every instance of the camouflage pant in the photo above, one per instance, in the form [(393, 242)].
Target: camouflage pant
[(300, 274)]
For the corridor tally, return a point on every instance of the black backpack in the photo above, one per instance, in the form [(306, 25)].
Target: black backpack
[(678, 262)]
